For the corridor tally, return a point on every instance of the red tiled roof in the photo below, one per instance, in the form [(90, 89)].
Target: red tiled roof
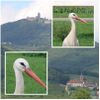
[(74, 81)]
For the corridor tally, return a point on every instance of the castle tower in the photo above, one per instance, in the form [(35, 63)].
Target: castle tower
[(38, 16)]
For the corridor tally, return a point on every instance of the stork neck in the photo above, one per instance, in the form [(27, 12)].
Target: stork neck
[(73, 27), (19, 89)]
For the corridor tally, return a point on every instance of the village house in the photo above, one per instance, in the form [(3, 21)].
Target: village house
[(82, 82)]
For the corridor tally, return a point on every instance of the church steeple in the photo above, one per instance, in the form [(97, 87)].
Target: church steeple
[(81, 77)]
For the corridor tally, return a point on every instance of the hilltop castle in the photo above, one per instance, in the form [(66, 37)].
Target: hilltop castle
[(39, 19)]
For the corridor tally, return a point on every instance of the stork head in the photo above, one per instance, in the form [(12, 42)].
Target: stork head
[(22, 65), (75, 17)]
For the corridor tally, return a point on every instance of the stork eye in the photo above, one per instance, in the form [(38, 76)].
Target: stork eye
[(73, 14), (22, 64)]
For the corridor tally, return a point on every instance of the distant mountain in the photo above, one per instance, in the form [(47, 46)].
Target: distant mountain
[(26, 33)]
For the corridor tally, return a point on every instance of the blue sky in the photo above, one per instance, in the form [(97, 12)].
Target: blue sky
[(16, 4)]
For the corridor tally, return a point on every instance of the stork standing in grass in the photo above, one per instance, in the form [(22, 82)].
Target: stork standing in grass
[(21, 65), (71, 39)]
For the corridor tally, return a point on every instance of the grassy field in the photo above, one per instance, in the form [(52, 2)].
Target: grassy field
[(82, 11), (85, 32), (37, 63)]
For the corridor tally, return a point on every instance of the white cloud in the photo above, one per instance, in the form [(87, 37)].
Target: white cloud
[(73, 2), (43, 6), (7, 14)]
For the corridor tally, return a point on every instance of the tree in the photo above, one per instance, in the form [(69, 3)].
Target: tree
[(81, 93)]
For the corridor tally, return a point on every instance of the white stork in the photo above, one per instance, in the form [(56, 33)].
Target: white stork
[(71, 38), (21, 65)]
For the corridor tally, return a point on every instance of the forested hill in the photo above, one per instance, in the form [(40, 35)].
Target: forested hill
[(67, 63), (26, 33)]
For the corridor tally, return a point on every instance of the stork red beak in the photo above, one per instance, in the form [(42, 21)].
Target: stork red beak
[(80, 19), (30, 73)]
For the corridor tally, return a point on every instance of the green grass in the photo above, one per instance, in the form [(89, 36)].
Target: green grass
[(82, 11), (85, 32), (37, 64)]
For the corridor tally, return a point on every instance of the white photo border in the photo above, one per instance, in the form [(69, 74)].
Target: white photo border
[(52, 46), (45, 52)]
